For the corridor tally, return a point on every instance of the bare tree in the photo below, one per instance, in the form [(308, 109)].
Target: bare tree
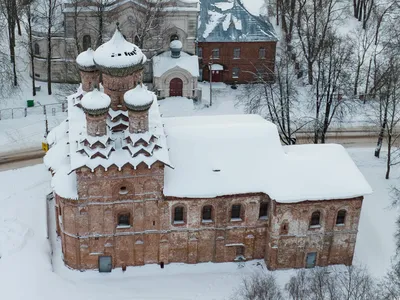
[(315, 19), (275, 100), (332, 283), (332, 78), (28, 28), (259, 286)]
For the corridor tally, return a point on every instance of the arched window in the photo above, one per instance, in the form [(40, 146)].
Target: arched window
[(315, 218), (263, 210), (178, 215), (284, 228), (124, 219), (341, 217), (174, 37), (235, 212), (87, 42), (36, 49), (207, 213)]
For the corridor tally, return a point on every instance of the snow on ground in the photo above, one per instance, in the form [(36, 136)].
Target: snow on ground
[(26, 268)]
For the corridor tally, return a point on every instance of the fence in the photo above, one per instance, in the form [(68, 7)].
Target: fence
[(22, 112)]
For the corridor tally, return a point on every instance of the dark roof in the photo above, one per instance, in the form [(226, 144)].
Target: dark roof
[(229, 21)]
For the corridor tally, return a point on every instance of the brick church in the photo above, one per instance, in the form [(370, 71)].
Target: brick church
[(133, 188)]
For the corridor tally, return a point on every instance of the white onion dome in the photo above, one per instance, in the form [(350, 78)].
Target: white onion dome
[(139, 98), (95, 102), (85, 60), (176, 44), (118, 57)]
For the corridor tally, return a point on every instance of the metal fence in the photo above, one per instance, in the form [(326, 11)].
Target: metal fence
[(22, 112)]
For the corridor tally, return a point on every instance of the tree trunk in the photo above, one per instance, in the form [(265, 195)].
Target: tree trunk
[(31, 50), (380, 140), (310, 72), (49, 49), (367, 80), (388, 161)]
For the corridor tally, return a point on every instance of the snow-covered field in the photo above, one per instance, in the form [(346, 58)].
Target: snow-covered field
[(26, 269)]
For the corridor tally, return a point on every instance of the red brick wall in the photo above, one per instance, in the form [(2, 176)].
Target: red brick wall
[(334, 244), (247, 63)]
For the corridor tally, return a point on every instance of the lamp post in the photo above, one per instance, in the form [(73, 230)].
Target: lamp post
[(210, 63)]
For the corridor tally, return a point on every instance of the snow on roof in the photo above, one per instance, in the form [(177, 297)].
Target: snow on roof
[(176, 44), (231, 21), (217, 67), (95, 100), (164, 62), (255, 7), (85, 58), (118, 53), (225, 155), (139, 97)]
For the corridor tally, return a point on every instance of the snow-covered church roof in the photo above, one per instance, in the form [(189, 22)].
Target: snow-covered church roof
[(164, 62), (230, 21), (225, 155)]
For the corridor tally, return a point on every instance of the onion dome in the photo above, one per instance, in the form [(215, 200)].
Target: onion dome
[(96, 103), (139, 98), (118, 57), (85, 60), (176, 47)]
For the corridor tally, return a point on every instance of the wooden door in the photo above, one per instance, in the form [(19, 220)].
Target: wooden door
[(175, 87), (216, 76)]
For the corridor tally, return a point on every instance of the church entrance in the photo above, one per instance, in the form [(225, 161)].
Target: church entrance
[(175, 87)]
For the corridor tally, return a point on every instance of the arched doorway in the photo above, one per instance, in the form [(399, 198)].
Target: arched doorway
[(175, 87)]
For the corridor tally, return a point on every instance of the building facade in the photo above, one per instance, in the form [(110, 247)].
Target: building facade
[(234, 45), (133, 188), (77, 27)]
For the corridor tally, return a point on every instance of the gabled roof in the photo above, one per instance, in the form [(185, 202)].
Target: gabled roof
[(229, 21)]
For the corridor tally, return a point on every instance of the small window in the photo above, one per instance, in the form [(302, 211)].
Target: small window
[(340, 218), (124, 219), (284, 228), (215, 53), (235, 72), (261, 53), (200, 52), (235, 213), (36, 49), (123, 190), (239, 251), (174, 37), (37, 75), (315, 218), (87, 42), (263, 210), (178, 214), (207, 213), (236, 53)]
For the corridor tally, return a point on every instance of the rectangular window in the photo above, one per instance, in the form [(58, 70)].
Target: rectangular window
[(178, 214), (235, 72), (215, 53), (236, 53), (124, 219), (235, 214), (261, 53), (263, 210), (200, 52)]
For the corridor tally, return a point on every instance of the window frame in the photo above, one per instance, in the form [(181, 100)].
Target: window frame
[(264, 51), (235, 72), (312, 219), (124, 220), (210, 212), (36, 48), (263, 217), (175, 214), (214, 52), (344, 217), (236, 53), (239, 210)]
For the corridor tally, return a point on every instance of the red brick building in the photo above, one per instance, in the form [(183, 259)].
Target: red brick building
[(133, 188), (234, 44)]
